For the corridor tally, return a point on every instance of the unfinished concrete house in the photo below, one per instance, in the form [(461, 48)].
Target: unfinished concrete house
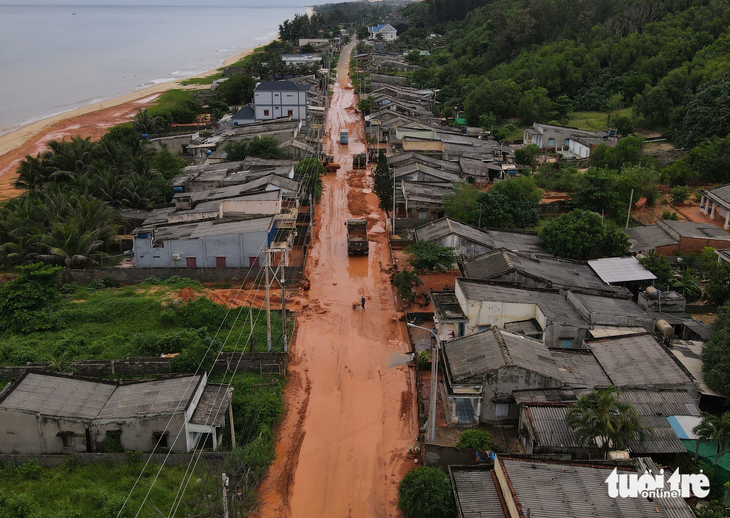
[(45, 414)]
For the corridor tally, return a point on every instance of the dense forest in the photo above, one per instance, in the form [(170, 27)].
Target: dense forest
[(535, 60)]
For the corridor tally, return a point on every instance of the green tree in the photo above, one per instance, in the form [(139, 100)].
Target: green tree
[(463, 204), (34, 290), (599, 419), (661, 268), (597, 192), (237, 90), (581, 234), (383, 183), (404, 281), (311, 171), (510, 204), (429, 255), (706, 115), (563, 106), (474, 439), (624, 126), (680, 194), (426, 492), (527, 154), (146, 123), (168, 163), (715, 429), (534, 106), (716, 354)]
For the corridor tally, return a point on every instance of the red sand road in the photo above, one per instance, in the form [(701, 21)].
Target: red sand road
[(350, 419)]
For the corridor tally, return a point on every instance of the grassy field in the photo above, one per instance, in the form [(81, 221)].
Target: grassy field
[(594, 121), (168, 100), (203, 80), (144, 320), (96, 490)]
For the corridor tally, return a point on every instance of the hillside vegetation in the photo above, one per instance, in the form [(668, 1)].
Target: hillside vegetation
[(539, 60)]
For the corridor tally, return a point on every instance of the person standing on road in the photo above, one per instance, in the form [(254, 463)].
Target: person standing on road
[(362, 301)]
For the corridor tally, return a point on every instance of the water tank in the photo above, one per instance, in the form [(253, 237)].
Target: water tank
[(145, 136), (652, 292), (639, 257), (208, 153), (235, 123), (177, 189), (665, 328)]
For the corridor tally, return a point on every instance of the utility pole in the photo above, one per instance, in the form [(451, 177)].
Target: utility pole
[(230, 417), (268, 302), (224, 477), (392, 171), (631, 202), (283, 302)]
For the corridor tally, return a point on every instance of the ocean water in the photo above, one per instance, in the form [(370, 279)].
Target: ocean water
[(54, 58)]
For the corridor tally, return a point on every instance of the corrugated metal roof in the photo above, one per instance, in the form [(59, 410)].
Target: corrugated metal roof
[(579, 369), (550, 427), (620, 269), (475, 355), (648, 238), (477, 496), (684, 425), (635, 361), (547, 490)]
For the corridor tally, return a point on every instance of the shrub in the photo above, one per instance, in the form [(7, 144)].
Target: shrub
[(426, 493), (680, 194), (403, 281), (474, 439), (428, 255), (203, 313), (31, 470)]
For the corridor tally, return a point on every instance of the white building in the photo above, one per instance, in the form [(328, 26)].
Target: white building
[(275, 99), (387, 31), (300, 59)]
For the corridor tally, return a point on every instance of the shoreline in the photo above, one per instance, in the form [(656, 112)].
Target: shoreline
[(87, 121)]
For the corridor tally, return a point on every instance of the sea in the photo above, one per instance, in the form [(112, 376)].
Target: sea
[(55, 58)]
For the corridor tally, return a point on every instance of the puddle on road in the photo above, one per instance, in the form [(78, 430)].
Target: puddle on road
[(357, 267)]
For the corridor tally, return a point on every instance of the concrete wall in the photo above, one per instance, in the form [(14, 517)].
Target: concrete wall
[(52, 461), (442, 457), (175, 143), (137, 275), (279, 103), (238, 249), (241, 362), (503, 383)]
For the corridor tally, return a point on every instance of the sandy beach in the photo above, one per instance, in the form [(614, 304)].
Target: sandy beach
[(87, 121)]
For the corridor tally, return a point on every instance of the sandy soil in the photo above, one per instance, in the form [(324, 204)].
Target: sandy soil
[(350, 418), (88, 121)]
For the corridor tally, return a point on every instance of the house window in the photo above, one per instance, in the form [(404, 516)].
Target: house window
[(290, 113), (501, 410), (220, 262), (112, 442), (422, 215), (191, 262), (551, 142), (266, 113), (66, 439), (159, 439), (566, 343), (567, 142), (253, 262)]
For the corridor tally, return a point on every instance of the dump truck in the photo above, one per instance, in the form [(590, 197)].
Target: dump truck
[(357, 237), (359, 161), (344, 136)]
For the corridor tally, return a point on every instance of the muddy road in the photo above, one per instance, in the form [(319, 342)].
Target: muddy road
[(350, 413)]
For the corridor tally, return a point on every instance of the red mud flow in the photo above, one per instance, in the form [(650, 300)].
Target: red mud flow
[(350, 413)]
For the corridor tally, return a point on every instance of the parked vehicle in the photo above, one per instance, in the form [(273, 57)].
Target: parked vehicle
[(357, 237), (359, 161), (344, 136)]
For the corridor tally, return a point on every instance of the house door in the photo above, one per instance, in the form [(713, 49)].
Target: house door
[(191, 262), (220, 262), (253, 262)]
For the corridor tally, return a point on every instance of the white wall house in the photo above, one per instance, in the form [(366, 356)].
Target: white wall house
[(387, 31), (300, 59), (276, 99)]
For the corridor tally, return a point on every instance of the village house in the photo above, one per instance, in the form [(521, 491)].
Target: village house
[(300, 59), (675, 238), (385, 30), (544, 428), (716, 202), (532, 488), (558, 138), (275, 99), (471, 242), (52, 414)]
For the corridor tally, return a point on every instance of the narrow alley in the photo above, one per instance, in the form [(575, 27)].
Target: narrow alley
[(350, 416)]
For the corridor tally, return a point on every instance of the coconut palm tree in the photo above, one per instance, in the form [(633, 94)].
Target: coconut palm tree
[(600, 419), (33, 172), (144, 122), (716, 429), (72, 158)]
